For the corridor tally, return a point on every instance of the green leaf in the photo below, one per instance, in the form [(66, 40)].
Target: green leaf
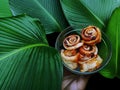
[(87, 12), (5, 9), (113, 31), (48, 11), (26, 60)]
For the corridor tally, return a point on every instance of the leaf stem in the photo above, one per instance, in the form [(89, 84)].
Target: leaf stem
[(20, 49)]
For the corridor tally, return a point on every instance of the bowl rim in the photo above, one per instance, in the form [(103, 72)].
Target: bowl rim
[(109, 45)]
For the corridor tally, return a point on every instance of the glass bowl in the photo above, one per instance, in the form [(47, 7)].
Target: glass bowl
[(104, 47)]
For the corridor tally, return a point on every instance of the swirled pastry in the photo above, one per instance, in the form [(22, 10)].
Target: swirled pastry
[(81, 51), (70, 58), (88, 50), (71, 64), (89, 59), (72, 42), (91, 64), (91, 35), (70, 55)]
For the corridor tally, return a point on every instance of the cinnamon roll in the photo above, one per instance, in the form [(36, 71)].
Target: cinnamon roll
[(91, 65), (88, 50), (69, 55), (80, 51), (72, 42), (70, 58), (70, 64), (89, 60), (91, 35)]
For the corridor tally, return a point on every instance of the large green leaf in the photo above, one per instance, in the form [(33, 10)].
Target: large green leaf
[(27, 62), (48, 11), (5, 9), (85, 12), (113, 31)]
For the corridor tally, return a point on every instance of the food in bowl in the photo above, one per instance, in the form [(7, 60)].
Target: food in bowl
[(80, 50)]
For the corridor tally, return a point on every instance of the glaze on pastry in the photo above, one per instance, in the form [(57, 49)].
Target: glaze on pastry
[(70, 55), (72, 42), (91, 35), (88, 51), (80, 51), (70, 58), (91, 64)]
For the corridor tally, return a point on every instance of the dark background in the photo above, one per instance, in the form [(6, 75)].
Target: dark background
[(96, 81)]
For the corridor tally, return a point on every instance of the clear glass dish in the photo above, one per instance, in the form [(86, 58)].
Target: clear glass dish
[(104, 47)]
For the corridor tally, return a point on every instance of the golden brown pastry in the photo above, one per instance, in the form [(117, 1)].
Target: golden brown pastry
[(72, 65), (72, 42), (88, 50), (81, 51), (70, 55), (91, 64), (89, 59), (70, 58), (91, 35)]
